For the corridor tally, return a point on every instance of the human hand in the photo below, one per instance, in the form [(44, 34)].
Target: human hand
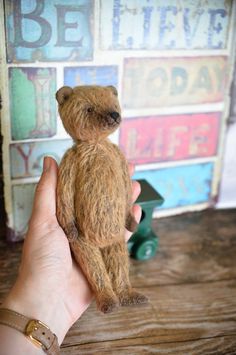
[(51, 286)]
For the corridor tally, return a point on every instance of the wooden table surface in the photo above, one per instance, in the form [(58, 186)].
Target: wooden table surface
[(191, 284)]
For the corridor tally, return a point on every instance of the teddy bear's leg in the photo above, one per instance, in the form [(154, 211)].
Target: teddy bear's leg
[(91, 262), (116, 259)]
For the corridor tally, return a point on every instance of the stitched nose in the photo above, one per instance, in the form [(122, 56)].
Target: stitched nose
[(115, 115)]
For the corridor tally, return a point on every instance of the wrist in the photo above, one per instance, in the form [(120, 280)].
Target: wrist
[(13, 342), (26, 299)]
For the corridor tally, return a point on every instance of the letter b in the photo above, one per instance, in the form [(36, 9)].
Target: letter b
[(18, 17)]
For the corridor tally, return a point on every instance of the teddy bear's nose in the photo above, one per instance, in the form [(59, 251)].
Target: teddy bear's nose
[(115, 115)]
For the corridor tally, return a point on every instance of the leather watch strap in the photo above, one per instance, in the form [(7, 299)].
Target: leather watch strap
[(33, 329)]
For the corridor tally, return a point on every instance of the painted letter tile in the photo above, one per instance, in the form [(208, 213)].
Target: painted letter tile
[(91, 75), (164, 82), (55, 30), (164, 24), (22, 198), (169, 138), (181, 185), (32, 102), (27, 158)]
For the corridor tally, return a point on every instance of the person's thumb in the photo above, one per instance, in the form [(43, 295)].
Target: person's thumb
[(44, 206)]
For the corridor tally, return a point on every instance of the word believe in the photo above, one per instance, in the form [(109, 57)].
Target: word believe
[(164, 24)]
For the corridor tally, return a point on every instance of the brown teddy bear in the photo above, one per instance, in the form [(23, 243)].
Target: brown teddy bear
[(94, 194)]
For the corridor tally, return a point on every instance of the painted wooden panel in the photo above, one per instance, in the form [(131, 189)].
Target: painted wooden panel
[(181, 185), (156, 82), (22, 198), (27, 158), (166, 138), (164, 24), (54, 30), (91, 75), (160, 53), (32, 102)]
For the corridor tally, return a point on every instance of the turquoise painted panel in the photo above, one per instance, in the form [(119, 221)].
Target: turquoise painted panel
[(164, 24), (32, 102), (181, 185), (91, 75), (22, 198), (27, 158), (52, 30)]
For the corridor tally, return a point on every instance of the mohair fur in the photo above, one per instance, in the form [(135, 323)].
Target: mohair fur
[(94, 194)]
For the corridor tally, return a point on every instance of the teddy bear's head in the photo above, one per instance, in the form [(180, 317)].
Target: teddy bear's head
[(89, 112)]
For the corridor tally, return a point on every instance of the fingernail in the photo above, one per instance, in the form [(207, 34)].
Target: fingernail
[(46, 164)]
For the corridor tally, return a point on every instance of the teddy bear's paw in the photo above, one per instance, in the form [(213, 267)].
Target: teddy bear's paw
[(132, 297), (71, 232), (131, 223), (108, 304)]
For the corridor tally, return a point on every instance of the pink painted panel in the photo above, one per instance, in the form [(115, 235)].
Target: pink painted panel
[(173, 137)]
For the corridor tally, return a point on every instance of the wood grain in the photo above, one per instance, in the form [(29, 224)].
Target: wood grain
[(191, 284), (177, 312), (195, 247), (217, 346)]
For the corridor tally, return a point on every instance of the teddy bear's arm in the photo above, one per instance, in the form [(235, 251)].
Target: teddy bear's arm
[(131, 223), (65, 195)]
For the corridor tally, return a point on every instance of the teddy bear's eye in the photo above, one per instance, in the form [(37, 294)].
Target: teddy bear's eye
[(89, 109)]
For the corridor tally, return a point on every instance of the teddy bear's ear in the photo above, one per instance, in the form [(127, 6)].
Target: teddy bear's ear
[(113, 90), (63, 94)]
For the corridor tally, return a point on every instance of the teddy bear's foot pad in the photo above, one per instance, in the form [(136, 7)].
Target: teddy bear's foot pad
[(107, 305), (132, 298)]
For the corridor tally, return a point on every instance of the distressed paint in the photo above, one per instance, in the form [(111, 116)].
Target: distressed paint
[(168, 138), (32, 102), (27, 158), (181, 185), (147, 40), (164, 24), (91, 75), (54, 30), (159, 82), (22, 199)]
